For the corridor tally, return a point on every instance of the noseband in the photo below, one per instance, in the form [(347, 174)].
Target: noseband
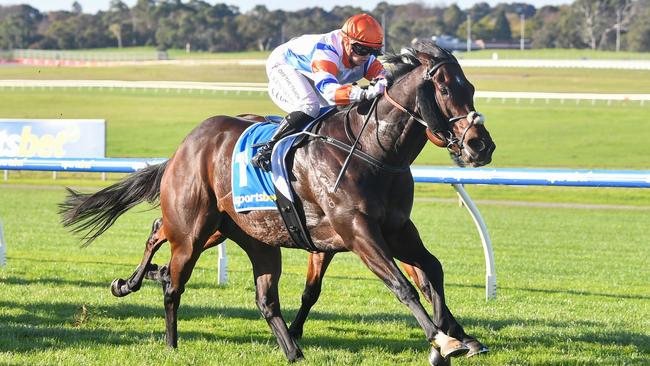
[(452, 144)]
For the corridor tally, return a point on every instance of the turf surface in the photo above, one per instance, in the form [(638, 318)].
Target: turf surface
[(572, 291)]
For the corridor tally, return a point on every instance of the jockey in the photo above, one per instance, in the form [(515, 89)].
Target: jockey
[(316, 70)]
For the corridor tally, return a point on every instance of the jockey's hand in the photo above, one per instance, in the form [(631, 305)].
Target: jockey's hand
[(357, 93), (376, 88)]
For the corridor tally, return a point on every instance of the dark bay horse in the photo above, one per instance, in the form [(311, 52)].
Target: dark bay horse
[(368, 215)]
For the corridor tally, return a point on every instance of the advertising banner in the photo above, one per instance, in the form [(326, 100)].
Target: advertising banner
[(53, 138)]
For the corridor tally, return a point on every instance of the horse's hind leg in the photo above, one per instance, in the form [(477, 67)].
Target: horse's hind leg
[(267, 268), (186, 249), (160, 274), (317, 265), (120, 287)]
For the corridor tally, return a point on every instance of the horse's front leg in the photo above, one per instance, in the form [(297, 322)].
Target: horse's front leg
[(316, 267), (366, 240), (426, 271), (455, 330)]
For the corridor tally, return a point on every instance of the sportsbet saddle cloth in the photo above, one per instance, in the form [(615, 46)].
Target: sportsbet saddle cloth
[(255, 189)]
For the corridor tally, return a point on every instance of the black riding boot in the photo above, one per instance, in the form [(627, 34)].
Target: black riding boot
[(292, 123)]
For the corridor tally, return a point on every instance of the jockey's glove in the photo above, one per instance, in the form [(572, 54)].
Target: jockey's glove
[(357, 94), (376, 88)]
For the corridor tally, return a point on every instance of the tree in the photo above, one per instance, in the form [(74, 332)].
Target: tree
[(544, 26), (502, 27), (18, 26), (570, 33), (165, 34), (261, 28), (452, 18), (61, 31), (637, 37), (143, 22), (598, 19), (401, 34), (221, 27), (479, 10), (76, 8), (116, 30), (117, 18), (314, 20)]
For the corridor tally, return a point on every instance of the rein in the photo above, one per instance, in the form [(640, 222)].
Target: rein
[(354, 146), (353, 149)]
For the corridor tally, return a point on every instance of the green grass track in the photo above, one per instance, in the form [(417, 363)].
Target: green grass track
[(572, 291)]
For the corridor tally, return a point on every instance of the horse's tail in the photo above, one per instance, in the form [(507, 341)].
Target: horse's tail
[(95, 213)]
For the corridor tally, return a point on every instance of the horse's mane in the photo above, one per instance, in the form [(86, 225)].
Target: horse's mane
[(398, 65)]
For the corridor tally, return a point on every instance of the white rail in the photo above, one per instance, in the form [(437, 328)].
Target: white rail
[(570, 64), (108, 60), (262, 88)]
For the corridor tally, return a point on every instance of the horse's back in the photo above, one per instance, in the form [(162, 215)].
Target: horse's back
[(204, 156)]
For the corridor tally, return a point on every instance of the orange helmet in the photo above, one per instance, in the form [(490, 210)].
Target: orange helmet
[(364, 29)]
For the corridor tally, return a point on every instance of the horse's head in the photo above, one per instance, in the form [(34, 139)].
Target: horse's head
[(444, 102)]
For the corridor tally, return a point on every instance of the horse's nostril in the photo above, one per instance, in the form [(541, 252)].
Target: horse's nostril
[(476, 144)]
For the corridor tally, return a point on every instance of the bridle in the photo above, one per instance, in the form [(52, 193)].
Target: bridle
[(454, 145), (441, 137)]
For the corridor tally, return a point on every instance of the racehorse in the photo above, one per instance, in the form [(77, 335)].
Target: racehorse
[(429, 98)]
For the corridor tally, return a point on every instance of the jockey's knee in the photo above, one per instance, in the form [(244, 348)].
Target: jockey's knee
[(311, 108), (299, 119)]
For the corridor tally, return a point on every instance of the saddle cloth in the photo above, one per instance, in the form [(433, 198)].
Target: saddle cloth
[(253, 188)]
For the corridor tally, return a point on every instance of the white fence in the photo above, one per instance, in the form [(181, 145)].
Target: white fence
[(570, 64), (262, 89), (86, 59)]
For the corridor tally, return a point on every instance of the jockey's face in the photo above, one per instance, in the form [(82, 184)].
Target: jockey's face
[(353, 58)]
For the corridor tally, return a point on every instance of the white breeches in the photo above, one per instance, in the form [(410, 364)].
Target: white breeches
[(292, 91)]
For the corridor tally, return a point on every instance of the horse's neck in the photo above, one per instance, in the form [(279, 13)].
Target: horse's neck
[(393, 136)]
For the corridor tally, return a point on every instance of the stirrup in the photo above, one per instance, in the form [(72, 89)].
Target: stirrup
[(262, 158)]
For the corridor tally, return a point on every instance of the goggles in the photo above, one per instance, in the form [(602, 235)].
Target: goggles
[(362, 50)]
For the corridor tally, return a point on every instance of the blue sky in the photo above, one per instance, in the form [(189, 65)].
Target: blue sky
[(92, 6)]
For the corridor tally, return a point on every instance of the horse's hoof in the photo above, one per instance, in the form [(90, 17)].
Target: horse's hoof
[(296, 356), (476, 348), (436, 359), (116, 288), (449, 346), (454, 350)]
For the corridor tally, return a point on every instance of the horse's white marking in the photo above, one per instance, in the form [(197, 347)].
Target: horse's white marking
[(476, 118)]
